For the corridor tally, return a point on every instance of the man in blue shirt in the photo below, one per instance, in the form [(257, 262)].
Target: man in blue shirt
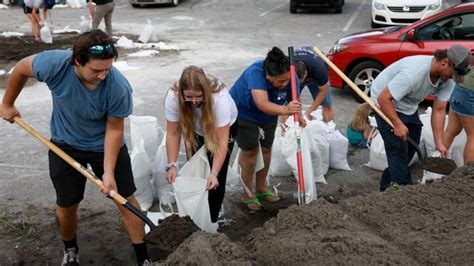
[(261, 94), (313, 74), (90, 101)]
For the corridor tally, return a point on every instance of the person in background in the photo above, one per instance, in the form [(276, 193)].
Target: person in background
[(200, 108), (312, 72), (398, 90), (358, 130), (461, 113), (34, 18), (101, 9), (261, 93), (46, 5), (90, 99)]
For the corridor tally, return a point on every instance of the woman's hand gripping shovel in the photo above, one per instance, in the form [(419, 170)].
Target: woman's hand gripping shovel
[(89, 175), (299, 158), (433, 164)]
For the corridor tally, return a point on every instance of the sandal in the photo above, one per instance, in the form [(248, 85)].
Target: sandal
[(252, 204), (267, 196)]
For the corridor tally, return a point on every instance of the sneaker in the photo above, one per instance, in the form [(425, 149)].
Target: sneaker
[(71, 257)]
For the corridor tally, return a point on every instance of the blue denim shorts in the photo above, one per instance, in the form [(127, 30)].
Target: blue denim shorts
[(314, 89), (462, 101)]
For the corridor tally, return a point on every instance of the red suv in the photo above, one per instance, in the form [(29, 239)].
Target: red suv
[(361, 56)]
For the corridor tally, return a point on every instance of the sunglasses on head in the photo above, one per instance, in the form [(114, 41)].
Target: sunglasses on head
[(100, 49)]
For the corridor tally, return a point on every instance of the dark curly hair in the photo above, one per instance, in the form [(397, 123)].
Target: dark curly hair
[(276, 63), (80, 51)]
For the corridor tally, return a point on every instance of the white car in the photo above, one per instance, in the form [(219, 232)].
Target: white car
[(402, 12), (139, 3)]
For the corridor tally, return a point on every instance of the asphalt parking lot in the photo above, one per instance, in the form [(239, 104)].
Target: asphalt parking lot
[(222, 36)]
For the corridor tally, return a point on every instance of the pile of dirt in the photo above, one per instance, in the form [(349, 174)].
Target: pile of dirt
[(209, 249), (421, 224), (171, 232)]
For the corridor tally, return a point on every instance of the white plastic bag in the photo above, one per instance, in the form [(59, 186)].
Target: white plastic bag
[(84, 26), (147, 32), (46, 35), (427, 175), (338, 147), (141, 168), (145, 127), (377, 158), (191, 193), (289, 148), (160, 182), (278, 164), (319, 151), (457, 147)]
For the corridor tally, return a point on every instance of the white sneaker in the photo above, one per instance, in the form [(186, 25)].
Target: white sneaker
[(71, 257)]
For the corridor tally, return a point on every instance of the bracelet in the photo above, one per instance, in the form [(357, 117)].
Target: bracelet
[(213, 174), (171, 165)]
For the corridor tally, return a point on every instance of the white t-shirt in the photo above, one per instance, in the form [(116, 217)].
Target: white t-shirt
[(408, 81), (225, 110)]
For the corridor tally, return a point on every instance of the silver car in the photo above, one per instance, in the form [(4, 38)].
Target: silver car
[(139, 3)]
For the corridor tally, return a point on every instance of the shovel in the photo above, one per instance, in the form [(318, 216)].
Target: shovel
[(436, 165), (89, 175)]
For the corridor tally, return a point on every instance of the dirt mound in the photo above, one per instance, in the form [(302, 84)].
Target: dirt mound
[(171, 232), (209, 249), (421, 224), (320, 232), (433, 223)]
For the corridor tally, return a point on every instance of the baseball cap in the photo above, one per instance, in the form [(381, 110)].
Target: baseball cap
[(461, 59)]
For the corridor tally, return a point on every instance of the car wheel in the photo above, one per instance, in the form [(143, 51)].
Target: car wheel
[(175, 3), (363, 75), (135, 5), (338, 10)]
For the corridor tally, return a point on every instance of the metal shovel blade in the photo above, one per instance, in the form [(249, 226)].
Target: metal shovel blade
[(438, 165)]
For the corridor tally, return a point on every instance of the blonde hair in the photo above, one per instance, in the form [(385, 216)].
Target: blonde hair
[(360, 122), (194, 78)]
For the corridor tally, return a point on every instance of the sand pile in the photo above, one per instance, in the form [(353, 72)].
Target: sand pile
[(421, 224), (208, 249)]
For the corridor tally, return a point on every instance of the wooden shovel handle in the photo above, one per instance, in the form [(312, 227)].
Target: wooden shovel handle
[(352, 85), (96, 181)]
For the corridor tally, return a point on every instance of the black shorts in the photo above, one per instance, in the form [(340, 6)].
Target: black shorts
[(248, 137), (29, 10), (70, 184)]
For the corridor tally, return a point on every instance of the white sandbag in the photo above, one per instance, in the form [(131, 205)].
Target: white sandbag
[(46, 35), (147, 32), (319, 147), (289, 148), (278, 164), (427, 175), (84, 26), (141, 168), (161, 186), (191, 193), (338, 147), (456, 150), (377, 157), (145, 127)]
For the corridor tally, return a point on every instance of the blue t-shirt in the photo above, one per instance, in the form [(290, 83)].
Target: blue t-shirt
[(254, 78), (317, 70), (79, 115)]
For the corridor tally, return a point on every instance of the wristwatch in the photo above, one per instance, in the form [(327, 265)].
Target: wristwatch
[(171, 165)]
